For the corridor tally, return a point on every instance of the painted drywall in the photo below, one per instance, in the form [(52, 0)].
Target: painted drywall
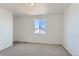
[(24, 29), (71, 29), (6, 35)]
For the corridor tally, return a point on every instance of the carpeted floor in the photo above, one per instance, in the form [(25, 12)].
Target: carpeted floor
[(32, 49)]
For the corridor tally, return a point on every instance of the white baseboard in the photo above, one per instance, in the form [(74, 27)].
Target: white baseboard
[(68, 50), (2, 48)]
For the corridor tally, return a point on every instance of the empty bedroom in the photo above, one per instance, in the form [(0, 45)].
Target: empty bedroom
[(39, 29)]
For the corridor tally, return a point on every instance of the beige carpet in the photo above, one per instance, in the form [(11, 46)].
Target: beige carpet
[(31, 49)]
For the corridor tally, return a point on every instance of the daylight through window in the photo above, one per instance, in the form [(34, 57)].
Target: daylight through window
[(40, 25)]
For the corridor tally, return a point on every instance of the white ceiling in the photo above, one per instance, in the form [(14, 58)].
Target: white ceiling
[(38, 9)]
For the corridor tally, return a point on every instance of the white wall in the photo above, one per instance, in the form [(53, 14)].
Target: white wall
[(71, 29), (24, 29), (5, 29)]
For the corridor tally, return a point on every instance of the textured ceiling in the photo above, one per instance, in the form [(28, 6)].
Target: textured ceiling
[(38, 9)]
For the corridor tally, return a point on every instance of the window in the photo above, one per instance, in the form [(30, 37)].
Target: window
[(40, 25)]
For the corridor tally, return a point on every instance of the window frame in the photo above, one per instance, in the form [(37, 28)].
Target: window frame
[(40, 26)]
